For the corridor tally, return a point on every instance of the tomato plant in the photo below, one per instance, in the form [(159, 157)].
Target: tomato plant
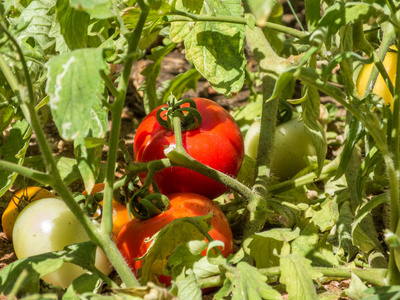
[(380, 87), (217, 143), (133, 238), (292, 144), (21, 199), (120, 212), (49, 225)]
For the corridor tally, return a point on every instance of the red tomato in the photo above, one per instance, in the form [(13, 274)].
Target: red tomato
[(133, 242), (217, 143), (120, 212)]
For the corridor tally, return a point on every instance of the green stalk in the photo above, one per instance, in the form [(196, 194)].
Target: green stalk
[(179, 157), (116, 112), (270, 65), (188, 17), (327, 171)]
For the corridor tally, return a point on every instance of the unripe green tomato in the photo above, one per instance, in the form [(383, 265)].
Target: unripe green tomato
[(291, 146), (49, 225), (380, 87)]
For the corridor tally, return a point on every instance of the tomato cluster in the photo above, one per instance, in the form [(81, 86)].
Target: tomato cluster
[(217, 143)]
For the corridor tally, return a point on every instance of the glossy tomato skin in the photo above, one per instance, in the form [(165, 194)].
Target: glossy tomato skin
[(291, 145), (120, 213), (49, 225), (217, 143), (380, 87), (18, 202), (132, 243)]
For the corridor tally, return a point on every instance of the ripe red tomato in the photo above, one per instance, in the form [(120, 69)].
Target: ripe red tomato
[(120, 212), (217, 143), (133, 242)]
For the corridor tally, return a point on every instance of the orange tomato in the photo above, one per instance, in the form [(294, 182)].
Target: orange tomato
[(21, 199), (120, 212)]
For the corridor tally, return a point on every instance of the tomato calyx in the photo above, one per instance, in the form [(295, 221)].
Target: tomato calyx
[(148, 206), (285, 112), (189, 115)]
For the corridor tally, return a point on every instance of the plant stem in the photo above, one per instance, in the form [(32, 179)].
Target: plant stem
[(116, 112), (270, 66), (327, 171), (188, 17)]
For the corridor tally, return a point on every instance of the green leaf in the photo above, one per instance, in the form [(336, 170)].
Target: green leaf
[(179, 30), (39, 19), (216, 49), (298, 274), (89, 159), (179, 85), (14, 151), (265, 247), (150, 98), (313, 13), (55, 32), (356, 288), (246, 172), (353, 136), (262, 10), (167, 239), (188, 288), (6, 117), (246, 282), (382, 293), (343, 231), (85, 283), (68, 169), (314, 129), (327, 215), (74, 86), (182, 259), (73, 24), (341, 14), (314, 247), (39, 265), (98, 9)]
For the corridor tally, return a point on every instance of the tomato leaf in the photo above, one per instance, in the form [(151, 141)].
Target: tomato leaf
[(357, 288), (73, 24), (313, 13), (167, 239), (178, 85), (74, 85), (265, 247), (312, 245), (188, 288), (89, 159), (14, 151), (150, 98), (81, 254), (343, 232), (297, 274), (99, 9), (179, 30), (6, 117), (38, 17), (263, 10), (246, 282), (341, 14), (85, 283), (216, 49)]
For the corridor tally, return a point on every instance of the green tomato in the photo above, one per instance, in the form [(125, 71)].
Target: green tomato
[(49, 225), (291, 146)]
